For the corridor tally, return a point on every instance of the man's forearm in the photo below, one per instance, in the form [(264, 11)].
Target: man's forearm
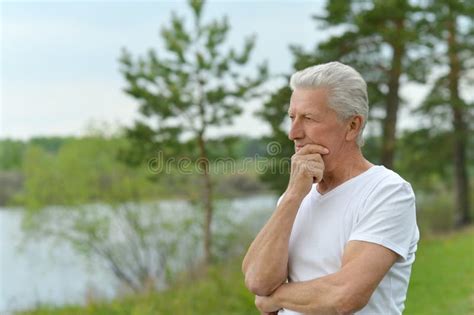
[(266, 263), (325, 295), (346, 291)]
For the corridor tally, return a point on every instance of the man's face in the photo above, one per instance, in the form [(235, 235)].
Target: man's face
[(314, 122)]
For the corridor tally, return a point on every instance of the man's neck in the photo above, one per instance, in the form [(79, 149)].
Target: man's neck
[(356, 164)]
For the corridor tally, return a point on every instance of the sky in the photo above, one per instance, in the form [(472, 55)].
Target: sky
[(59, 60), (59, 69)]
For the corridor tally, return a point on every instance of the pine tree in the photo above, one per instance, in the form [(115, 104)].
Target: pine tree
[(452, 36), (379, 39), (196, 84)]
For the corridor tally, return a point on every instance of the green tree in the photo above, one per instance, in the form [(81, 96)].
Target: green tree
[(452, 37), (192, 86), (380, 39), (50, 144), (274, 112), (11, 178), (11, 154), (83, 196)]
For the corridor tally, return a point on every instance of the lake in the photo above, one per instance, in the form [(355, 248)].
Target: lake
[(46, 272)]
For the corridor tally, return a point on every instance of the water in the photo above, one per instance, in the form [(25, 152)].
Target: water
[(47, 272)]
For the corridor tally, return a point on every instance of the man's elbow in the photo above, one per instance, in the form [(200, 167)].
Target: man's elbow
[(349, 309), (260, 287), (351, 302)]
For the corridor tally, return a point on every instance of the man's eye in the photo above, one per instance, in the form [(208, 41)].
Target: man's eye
[(307, 118)]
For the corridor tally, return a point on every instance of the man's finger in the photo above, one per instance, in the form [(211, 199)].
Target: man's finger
[(310, 157), (313, 149)]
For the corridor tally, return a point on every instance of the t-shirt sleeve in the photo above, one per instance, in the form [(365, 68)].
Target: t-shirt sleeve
[(388, 217), (279, 199)]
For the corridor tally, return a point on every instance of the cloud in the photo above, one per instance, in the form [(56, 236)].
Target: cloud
[(63, 108), (68, 107), (59, 60)]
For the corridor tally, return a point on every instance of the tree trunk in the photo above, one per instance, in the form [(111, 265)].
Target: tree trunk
[(390, 121), (461, 182), (207, 196)]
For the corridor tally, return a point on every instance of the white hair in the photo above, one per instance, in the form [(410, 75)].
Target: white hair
[(347, 89)]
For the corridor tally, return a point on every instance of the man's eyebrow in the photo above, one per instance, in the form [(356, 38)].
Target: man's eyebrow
[(304, 114)]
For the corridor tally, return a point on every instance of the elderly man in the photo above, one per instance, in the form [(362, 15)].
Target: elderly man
[(343, 237)]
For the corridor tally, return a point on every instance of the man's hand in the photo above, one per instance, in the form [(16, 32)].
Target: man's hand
[(307, 166), (266, 306)]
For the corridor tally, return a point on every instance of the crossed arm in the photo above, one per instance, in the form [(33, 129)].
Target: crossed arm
[(344, 292), (265, 267)]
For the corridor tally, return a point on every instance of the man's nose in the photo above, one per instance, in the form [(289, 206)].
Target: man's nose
[(296, 130)]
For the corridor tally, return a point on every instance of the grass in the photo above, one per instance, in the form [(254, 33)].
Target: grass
[(442, 279), (222, 291), (442, 283)]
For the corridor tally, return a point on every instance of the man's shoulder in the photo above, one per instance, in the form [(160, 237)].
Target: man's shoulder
[(387, 176), (381, 182)]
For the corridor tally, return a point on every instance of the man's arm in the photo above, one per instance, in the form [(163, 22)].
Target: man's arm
[(266, 263), (363, 267)]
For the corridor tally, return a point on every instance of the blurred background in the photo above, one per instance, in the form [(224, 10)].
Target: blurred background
[(144, 144)]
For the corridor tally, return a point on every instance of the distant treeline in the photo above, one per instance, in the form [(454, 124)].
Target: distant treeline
[(18, 157), (419, 160)]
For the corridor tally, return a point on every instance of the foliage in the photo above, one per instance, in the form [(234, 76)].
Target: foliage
[(140, 244), (275, 113), (107, 210), (98, 211), (11, 152), (195, 84), (11, 183), (16, 157), (451, 114), (380, 40), (49, 144), (235, 227), (435, 212), (191, 86), (368, 35), (83, 171), (374, 37), (414, 158)]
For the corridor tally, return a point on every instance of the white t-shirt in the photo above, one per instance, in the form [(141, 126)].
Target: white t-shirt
[(377, 206)]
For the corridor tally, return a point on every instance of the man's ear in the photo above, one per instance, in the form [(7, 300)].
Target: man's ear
[(353, 127)]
